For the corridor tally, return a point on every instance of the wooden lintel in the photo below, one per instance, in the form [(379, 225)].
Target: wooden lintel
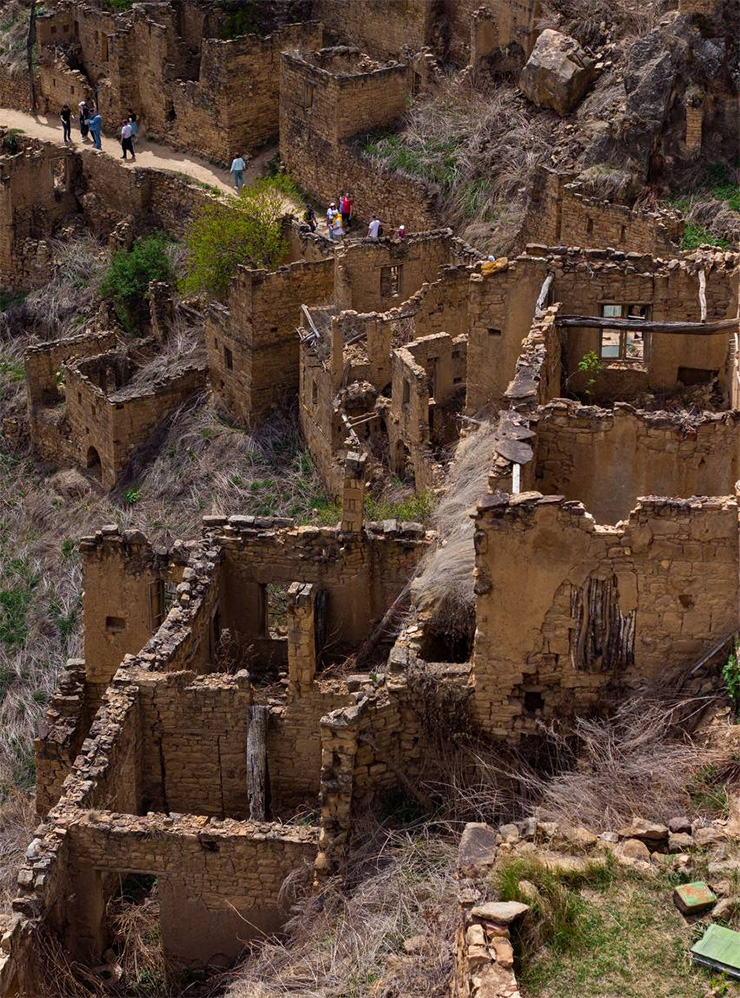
[(647, 325)]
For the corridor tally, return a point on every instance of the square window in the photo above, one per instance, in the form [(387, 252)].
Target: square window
[(114, 625), (228, 359), (493, 331), (624, 344)]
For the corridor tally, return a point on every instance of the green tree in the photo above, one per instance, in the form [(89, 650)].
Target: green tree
[(127, 279), (247, 230)]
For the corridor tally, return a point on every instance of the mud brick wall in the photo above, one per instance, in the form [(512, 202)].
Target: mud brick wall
[(512, 27), (320, 109), (500, 311), (599, 604), (233, 106), (14, 90), (380, 27), (253, 347), (607, 458), (672, 292), (320, 424), (207, 908), (359, 282), (443, 304)]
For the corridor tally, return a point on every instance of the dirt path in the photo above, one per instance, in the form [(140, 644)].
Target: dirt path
[(153, 155)]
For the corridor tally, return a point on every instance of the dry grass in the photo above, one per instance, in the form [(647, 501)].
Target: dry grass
[(13, 34), (444, 579), (593, 21), (348, 942), (480, 150)]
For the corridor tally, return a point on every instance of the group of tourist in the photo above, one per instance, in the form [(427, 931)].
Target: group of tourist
[(91, 123), (339, 220)]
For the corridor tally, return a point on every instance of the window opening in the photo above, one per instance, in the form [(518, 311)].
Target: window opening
[(162, 597), (624, 344), (390, 281), (309, 91), (228, 359), (275, 610), (114, 625)]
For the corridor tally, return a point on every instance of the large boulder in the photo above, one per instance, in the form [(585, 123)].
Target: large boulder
[(558, 72)]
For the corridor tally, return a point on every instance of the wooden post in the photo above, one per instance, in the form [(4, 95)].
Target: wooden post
[(257, 761)]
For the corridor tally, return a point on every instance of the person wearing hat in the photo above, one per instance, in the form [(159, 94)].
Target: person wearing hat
[(401, 232), (331, 214)]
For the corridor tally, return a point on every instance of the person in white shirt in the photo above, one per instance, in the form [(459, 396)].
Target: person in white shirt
[(127, 141), (238, 166), (374, 228)]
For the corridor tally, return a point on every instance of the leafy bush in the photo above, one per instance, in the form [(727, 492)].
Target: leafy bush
[(128, 277), (731, 676), (591, 367), (221, 237)]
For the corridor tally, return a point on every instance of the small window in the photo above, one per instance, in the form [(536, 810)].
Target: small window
[(492, 331), (314, 394), (406, 392), (114, 625), (623, 233), (390, 282), (533, 701), (275, 610), (228, 359), (590, 227), (309, 90), (215, 342)]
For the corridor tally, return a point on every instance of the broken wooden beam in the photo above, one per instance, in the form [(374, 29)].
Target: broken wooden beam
[(647, 325)]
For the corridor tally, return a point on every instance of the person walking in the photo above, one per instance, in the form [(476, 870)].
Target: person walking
[(132, 120), (310, 217), (374, 229), (331, 214), (127, 141), (238, 166), (84, 119), (346, 204), (96, 126), (66, 115), (338, 226)]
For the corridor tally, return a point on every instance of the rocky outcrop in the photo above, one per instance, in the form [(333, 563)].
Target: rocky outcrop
[(558, 72)]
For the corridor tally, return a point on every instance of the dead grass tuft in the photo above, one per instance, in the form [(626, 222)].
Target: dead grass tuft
[(348, 942)]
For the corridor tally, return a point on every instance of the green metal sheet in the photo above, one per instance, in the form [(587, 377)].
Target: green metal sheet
[(719, 948), (691, 899)]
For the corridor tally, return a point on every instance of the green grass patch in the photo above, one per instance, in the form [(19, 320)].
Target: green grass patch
[(600, 932), (708, 793), (15, 599), (414, 508), (431, 160), (12, 369), (695, 236)]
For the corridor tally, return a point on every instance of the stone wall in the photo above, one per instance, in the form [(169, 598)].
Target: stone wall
[(607, 458), (105, 428), (43, 362), (380, 27), (253, 345), (596, 606), (561, 214), (326, 98)]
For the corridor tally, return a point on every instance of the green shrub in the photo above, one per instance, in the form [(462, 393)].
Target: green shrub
[(592, 368), (413, 508), (221, 237), (731, 676), (128, 277)]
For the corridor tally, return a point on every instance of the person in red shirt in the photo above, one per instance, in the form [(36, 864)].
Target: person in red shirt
[(346, 205)]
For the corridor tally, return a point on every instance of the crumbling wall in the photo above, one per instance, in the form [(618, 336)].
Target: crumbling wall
[(252, 345), (607, 458), (325, 99), (596, 606), (60, 735), (380, 27), (363, 278), (560, 214), (43, 363), (671, 291), (106, 427), (501, 310)]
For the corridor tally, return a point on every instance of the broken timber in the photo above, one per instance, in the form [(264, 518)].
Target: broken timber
[(647, 325)]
